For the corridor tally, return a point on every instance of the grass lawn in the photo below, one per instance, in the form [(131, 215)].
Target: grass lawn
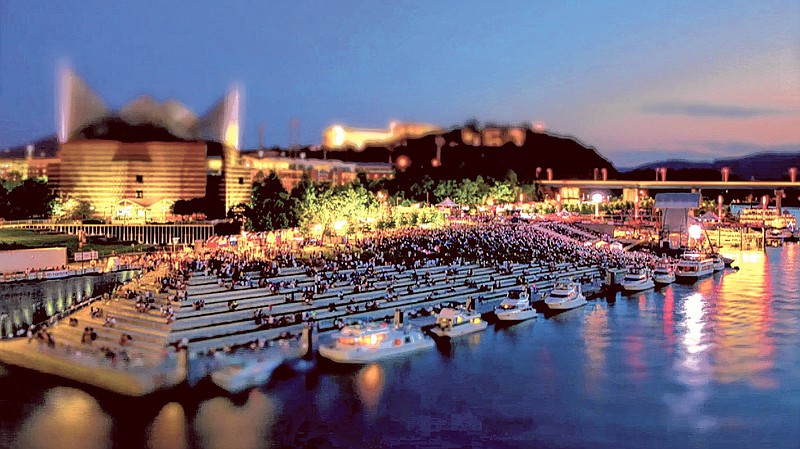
[(25, 239)]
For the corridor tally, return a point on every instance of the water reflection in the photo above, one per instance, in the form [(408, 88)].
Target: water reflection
[(595, 334), (693, 366), (169, 429), (219, 422), (369, 384), (744, 349), (68, 418)]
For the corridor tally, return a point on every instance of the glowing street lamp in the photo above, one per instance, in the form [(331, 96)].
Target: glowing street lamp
[(695, 232), (597, 198)]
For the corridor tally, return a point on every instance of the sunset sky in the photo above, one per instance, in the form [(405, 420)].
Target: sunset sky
[(639, 81)]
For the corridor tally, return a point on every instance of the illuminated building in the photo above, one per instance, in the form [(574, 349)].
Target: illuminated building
[(133, 164), (494, 136), (338, 137), (291, 170)]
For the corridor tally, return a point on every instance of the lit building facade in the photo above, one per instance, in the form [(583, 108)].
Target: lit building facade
[(135, 163), (291, 170), (338, 137)]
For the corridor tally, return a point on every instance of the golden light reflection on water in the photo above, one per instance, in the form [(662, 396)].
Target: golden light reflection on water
[(668, 319), (169, 429), (474, 339), (69, 418), (222, 424), (595, 334), (744, 350), (370, 382)]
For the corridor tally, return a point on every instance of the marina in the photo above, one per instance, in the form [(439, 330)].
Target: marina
[(603, 346)]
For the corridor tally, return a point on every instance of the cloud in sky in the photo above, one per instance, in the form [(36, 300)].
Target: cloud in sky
[(710, 110)]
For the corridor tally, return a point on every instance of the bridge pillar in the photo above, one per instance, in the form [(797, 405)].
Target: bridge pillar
[(779, 195), (725, 172), (549, 174), (604, 171), (792, 174), (595, 174)]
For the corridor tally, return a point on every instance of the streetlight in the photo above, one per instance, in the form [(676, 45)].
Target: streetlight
[(597, 198)]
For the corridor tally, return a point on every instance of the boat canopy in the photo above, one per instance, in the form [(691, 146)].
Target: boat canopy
[(448, 313)]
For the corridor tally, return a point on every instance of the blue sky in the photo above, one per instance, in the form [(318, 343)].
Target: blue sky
[(640, 81)]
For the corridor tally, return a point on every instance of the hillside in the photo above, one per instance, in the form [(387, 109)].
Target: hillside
[(567, 158)]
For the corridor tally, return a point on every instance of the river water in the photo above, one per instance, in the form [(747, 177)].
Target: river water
[(715, 364)]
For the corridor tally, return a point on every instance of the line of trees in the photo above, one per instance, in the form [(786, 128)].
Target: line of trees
[(366, 205)]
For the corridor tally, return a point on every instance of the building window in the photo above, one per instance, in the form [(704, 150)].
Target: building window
[(139, 194), (241, 180), (139, 179)]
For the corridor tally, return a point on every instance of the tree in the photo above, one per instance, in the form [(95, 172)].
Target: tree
[(424, 186), (445, 189), (31, 199), (270, 205), (511, 178), (4, 206)]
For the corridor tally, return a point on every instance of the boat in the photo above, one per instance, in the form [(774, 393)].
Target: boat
[(664, 272), (368, 342), (240, 376), (454, 322), (694, 265), (770, 218), (516, 307), (719, 262), (637, 279), (565, 295)]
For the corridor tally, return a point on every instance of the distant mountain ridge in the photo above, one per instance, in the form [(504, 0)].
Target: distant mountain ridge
[(766, 165), (567, 156)]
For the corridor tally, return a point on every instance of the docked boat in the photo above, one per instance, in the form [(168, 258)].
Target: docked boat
[(364, 343), (637, 279), (238, 377), (664, 273), (719, 262), (454, 322), (694, 265), (517, 307), (565, 295)]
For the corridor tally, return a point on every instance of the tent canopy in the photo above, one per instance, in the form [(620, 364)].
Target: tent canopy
[(447, 203), (677, 200)]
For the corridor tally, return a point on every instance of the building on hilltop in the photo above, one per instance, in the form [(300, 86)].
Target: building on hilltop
[(338, 137)]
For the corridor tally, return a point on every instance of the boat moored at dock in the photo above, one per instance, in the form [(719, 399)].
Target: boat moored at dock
[(516, 307), (368, 342), (694, 265), (664, 273), (455, 322), (247, 374), (565, 295), (637, 279)]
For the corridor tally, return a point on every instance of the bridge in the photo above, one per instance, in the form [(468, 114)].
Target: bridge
[(655, 185)]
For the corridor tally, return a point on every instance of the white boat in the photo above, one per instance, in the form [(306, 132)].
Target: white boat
[(565, 295), (693, 265), (247, 374), (719, 262), (637, 279), (364, 343), (516, 307), (664, 272), (456, 322)]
